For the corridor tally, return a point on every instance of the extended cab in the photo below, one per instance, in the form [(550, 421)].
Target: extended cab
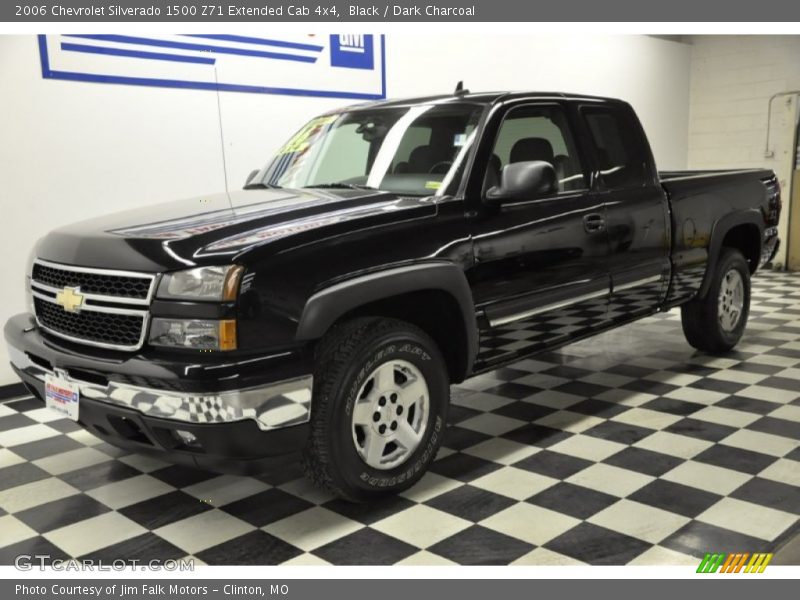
[(387, 251)]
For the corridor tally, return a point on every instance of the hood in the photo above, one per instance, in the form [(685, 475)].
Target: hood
[(219, 228)]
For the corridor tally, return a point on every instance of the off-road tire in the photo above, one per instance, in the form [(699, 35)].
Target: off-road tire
[(344, 359), (701, 316)]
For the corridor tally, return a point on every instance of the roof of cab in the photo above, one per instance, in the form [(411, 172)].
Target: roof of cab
[(477, 97)]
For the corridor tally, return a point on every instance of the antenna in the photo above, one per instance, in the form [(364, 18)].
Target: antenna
[(222, 138), (460, 91)]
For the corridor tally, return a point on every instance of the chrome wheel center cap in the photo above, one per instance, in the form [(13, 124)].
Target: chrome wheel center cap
[(388, 411)]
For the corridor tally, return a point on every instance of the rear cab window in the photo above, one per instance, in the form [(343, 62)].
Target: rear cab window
[(618, 146)]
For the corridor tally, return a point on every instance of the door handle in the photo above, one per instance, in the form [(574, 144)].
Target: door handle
[(594, 223)]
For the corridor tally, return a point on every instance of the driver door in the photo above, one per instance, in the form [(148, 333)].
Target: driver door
[(540, 277)]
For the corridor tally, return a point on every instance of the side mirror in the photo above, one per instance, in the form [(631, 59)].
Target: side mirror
[(253, 173), (523, 181)]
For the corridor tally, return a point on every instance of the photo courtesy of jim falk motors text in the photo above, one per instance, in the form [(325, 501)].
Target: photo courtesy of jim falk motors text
[(123, 590)]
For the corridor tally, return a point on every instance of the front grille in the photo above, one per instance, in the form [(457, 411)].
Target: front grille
[(114, 286), (108, 308), (111, 329)]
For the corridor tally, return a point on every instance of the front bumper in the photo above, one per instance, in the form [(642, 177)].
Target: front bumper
[(234, 428)]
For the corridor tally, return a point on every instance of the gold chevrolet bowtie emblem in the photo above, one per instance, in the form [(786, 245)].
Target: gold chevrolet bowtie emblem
[(70, 298)]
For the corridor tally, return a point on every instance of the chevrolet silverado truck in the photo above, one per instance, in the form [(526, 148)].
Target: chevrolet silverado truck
[(387, 251)]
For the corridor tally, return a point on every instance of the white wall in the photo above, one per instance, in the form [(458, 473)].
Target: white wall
[(732, 79), (650, 73), (73, 150)]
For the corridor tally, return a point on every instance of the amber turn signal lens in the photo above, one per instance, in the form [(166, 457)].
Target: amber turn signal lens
[(231, 287), (227, 334)]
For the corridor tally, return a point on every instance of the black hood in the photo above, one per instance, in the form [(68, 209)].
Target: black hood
[(218, 228)]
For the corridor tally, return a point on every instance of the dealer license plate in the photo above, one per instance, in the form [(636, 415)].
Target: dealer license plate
[(62, 396)]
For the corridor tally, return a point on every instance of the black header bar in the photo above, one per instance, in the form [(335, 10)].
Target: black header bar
[(377, 11)]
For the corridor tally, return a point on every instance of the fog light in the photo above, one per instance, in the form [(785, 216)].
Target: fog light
[(186, 438)]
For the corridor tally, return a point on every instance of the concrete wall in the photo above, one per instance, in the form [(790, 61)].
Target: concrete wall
[(731, 82)]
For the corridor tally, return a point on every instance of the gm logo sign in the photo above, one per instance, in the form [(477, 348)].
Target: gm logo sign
[(348, 66), (352, 51)]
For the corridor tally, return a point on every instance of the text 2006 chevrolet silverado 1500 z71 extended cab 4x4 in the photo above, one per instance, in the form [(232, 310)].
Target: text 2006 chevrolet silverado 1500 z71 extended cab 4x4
[(387, 251)]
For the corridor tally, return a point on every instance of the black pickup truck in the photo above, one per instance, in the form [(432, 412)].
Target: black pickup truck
[(387, 251)]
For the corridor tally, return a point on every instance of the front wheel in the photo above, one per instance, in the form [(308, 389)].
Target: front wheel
[(716, 322), (381, 393)]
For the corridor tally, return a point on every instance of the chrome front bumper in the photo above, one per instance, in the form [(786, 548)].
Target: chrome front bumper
[(273, 406)]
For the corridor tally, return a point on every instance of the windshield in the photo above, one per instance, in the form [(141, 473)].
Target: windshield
[(419, 150)]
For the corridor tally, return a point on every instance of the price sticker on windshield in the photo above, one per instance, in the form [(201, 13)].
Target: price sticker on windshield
[(301, 139)]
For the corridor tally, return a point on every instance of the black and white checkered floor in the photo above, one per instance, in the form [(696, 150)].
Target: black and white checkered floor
[(628, 448)]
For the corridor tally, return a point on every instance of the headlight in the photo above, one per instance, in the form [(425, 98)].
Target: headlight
[(202, 283), (201, 334)]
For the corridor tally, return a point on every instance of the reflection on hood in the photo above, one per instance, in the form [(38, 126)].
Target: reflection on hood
[(286, 228), (184, 227)]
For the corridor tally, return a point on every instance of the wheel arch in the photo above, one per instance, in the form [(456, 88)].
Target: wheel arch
[(743, 230), (441, 289)]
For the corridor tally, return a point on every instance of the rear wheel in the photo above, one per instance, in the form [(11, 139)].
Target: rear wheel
[(716, 322), (379, 408)]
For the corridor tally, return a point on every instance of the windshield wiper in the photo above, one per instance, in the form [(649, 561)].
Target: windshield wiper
[(340, 185), (260, 186)]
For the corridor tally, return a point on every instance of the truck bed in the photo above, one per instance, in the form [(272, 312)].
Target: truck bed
[(737, 186), (667, 176), (697, 200)]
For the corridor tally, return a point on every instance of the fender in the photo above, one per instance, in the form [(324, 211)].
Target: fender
[(329, 304), (751, 216)]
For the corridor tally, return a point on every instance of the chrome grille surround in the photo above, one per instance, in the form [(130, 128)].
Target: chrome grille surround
[(95, 303)]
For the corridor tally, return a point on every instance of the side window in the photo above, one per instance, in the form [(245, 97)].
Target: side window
[(537, 133), (618, 147)]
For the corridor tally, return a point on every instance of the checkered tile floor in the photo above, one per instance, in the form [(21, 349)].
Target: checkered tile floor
[(629, 448)]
